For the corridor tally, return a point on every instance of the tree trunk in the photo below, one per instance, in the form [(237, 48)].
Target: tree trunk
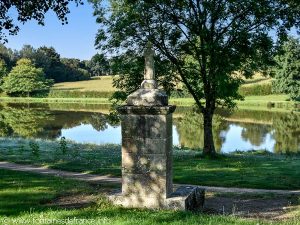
[(209, 147)]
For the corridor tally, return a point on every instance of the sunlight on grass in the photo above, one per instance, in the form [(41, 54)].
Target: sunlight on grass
[(41, 206), (265, 171)]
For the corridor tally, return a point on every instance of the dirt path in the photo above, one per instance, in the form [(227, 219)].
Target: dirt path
[(115, 180)]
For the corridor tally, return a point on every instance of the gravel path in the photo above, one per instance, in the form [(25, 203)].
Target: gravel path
[(115, 180)]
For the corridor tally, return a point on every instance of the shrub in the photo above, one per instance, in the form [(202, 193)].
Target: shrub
[(258, 89), (25, 79), (35, 148), (79, 94)]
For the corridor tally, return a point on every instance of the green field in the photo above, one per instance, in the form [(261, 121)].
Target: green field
[(102, 84)]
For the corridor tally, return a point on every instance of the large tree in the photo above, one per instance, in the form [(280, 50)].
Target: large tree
[(207, 41), (28, 10)]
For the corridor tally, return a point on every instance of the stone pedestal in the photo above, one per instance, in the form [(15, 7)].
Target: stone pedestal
[(146, 154), (147, 174)]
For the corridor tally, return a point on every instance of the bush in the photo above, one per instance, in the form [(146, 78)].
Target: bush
[(180, 94), (79, 94), (258, 89), (25, 79)]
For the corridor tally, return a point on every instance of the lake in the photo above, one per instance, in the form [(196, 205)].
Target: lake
[(241, 130)]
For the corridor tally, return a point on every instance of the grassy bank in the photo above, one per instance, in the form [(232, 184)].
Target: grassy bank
[(55, 100), (280, 101), (265, 171), (35, 199)]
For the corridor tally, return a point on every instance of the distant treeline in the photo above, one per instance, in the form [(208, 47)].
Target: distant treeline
[(56, 68)]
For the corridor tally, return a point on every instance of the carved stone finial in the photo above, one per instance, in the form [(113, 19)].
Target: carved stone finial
[(148, 94), (149, 74), (149, 62)]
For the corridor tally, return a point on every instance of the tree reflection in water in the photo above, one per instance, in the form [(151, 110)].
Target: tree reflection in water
[(191, 133), (39, 121)]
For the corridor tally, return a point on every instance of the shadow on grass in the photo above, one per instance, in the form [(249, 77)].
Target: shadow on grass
[(24, 192), (247, 171), (27, 196)]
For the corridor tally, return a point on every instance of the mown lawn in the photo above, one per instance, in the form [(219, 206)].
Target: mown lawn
[(35, 199), (103, 83), (264, 171)]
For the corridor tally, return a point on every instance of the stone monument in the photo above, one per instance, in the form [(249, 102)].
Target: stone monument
[(147, 174)]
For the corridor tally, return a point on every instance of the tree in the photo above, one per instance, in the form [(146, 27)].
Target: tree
[(206, 41), (98, 65), (287, 70), (3, 70), (28, 10), (8, 55), (25, 79), (74, 70)]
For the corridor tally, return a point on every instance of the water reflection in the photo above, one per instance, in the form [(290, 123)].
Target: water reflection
[(238, 138), (240, 130)]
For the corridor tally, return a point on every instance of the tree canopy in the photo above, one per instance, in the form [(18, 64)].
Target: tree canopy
[(24, 78), (56, 68), (28, 10), (207, 42), (287, 70)]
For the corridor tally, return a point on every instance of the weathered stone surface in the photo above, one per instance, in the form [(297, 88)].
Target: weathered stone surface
[(142, 164), (189, 198), (149, 62), (147, 97), (147, 126), (145, 110), (149, 84), (151, 185), (140, 145), (186, 198)]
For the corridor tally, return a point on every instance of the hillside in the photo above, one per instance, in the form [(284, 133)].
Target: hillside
[(104, 84), (101, 84)]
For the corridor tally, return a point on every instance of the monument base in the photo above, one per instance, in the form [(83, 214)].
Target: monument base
[(185, 198)]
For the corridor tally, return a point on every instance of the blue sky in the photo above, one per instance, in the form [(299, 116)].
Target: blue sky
[(74, 40)]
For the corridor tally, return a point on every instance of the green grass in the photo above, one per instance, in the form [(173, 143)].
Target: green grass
[(250, 102), (101, 84), (281, 103), (55, 100), (265, 171), (25, 199)]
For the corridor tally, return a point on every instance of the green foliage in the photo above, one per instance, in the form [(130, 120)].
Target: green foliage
[(287, 72), (63, 145), (60, 70), (3, 71), (73, 70), (24, 78), (78, 94), (8, 56), (30, 10), (35, 148), (204, 42), (98, 65), (256, 90)]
